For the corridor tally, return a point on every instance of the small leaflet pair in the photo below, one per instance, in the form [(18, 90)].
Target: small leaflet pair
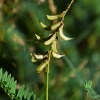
[(91, 94)]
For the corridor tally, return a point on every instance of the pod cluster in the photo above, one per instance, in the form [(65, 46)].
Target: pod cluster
[(56, 30)]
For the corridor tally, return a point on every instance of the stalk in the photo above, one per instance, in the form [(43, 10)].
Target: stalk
[(47, 79), (47, 74)]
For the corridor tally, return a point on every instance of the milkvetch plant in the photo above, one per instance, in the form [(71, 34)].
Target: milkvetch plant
[(56, 32), (7, 82)]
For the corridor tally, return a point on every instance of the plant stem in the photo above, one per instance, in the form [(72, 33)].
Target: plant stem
[(69, 6), (47, 74)]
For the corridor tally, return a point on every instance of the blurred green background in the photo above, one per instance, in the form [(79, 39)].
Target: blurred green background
[(19, 21)]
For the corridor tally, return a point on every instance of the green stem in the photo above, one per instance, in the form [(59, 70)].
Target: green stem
[(47, 74), (67, 9), (69, 6)]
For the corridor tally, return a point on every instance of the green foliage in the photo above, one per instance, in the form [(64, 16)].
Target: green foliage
[(9, 85), (90, 92)]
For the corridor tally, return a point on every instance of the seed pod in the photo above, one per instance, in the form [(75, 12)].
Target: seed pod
[(39, 56), (45, 26), (56, 55), (42, 66), (33, 59), (54, 46), (50, 17), (55, 26), (62, 36), (51, 39), (38, 37), (54, 17)]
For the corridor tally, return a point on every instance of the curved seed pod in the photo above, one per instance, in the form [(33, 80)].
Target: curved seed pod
[(42, 66), (62, 36), (55, 26), (51, 39), (45, 26), (38, 37), (38, 56), (54, 17), (42, 39), (56, 55), (33, 59), (54, 46)]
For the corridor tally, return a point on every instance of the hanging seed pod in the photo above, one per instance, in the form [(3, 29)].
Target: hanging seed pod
[(33, 59), (52, 37), (54, 17), (38, 37), (42, 66), (55, 26), (50, 17), (54, 46), (56, 55), (45, 27), (61, 35), (39, 56)]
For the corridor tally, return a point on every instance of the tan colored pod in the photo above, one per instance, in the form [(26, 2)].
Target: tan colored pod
[(56, 55), (38, 56), (51, 39), (43, 25), (33, 59), (55, 26), (54, 17), (42, 66), (54, 46), (37, 37), (61, 35)]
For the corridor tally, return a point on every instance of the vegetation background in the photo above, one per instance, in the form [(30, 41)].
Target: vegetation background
[(19, 21)]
